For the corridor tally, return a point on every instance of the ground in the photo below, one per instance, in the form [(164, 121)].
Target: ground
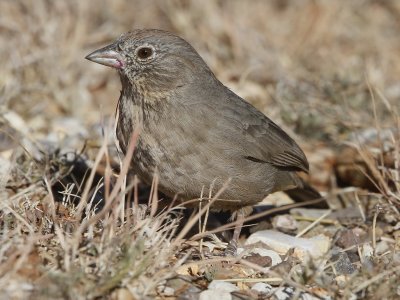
[(326, 71)]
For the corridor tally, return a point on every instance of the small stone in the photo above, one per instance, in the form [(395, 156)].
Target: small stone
[(349, 214), (381, 247), (367, 251), (274, 258), (222, 286), (315, 247), (168, 291), (262, 261), (343, 264), (215, 294), (262, 287), (313, 213), (285, 223), (350, 237), (284, 293)]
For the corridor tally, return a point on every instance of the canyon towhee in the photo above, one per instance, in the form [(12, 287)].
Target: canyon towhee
[(195, 133)]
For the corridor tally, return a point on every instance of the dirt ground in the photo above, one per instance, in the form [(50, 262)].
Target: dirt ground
[(326, 71)]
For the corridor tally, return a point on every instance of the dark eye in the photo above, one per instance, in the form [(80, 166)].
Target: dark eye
[(144, 52)]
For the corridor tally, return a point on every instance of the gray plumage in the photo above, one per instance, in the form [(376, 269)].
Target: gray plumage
[(194, 130)]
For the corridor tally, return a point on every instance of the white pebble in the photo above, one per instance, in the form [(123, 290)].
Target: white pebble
[(215, 294), (222, 286), (262, 287), (316, 246)]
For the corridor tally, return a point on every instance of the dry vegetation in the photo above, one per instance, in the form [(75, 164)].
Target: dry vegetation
[(327, 71)]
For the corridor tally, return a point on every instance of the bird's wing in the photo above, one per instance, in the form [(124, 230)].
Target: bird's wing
[(259, 138), (273, 145)]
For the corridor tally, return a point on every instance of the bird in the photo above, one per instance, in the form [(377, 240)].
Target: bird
[(196, 135)]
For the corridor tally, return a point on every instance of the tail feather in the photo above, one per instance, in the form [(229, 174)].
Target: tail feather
[(307, 193), (297, 189)]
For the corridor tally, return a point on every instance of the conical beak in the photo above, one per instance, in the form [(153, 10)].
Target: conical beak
[(107, 56)]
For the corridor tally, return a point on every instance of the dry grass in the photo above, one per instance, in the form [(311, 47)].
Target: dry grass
[(325, 70)]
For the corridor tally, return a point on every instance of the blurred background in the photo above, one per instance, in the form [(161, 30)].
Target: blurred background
[(312, 66)]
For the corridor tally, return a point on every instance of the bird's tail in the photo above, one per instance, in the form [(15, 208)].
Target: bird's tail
[(307, 193), (299, 190)]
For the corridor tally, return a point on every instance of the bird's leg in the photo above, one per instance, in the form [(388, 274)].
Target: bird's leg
[(231, 249)]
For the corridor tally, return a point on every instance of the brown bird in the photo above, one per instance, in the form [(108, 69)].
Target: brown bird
[(195, 132)]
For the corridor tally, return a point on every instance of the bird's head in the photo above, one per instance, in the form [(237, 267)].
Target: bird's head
[(154, 59)]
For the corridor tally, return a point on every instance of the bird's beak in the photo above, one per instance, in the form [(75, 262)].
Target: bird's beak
[(107, 56)]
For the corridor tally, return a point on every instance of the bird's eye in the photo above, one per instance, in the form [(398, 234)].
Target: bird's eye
[(144, 53)]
